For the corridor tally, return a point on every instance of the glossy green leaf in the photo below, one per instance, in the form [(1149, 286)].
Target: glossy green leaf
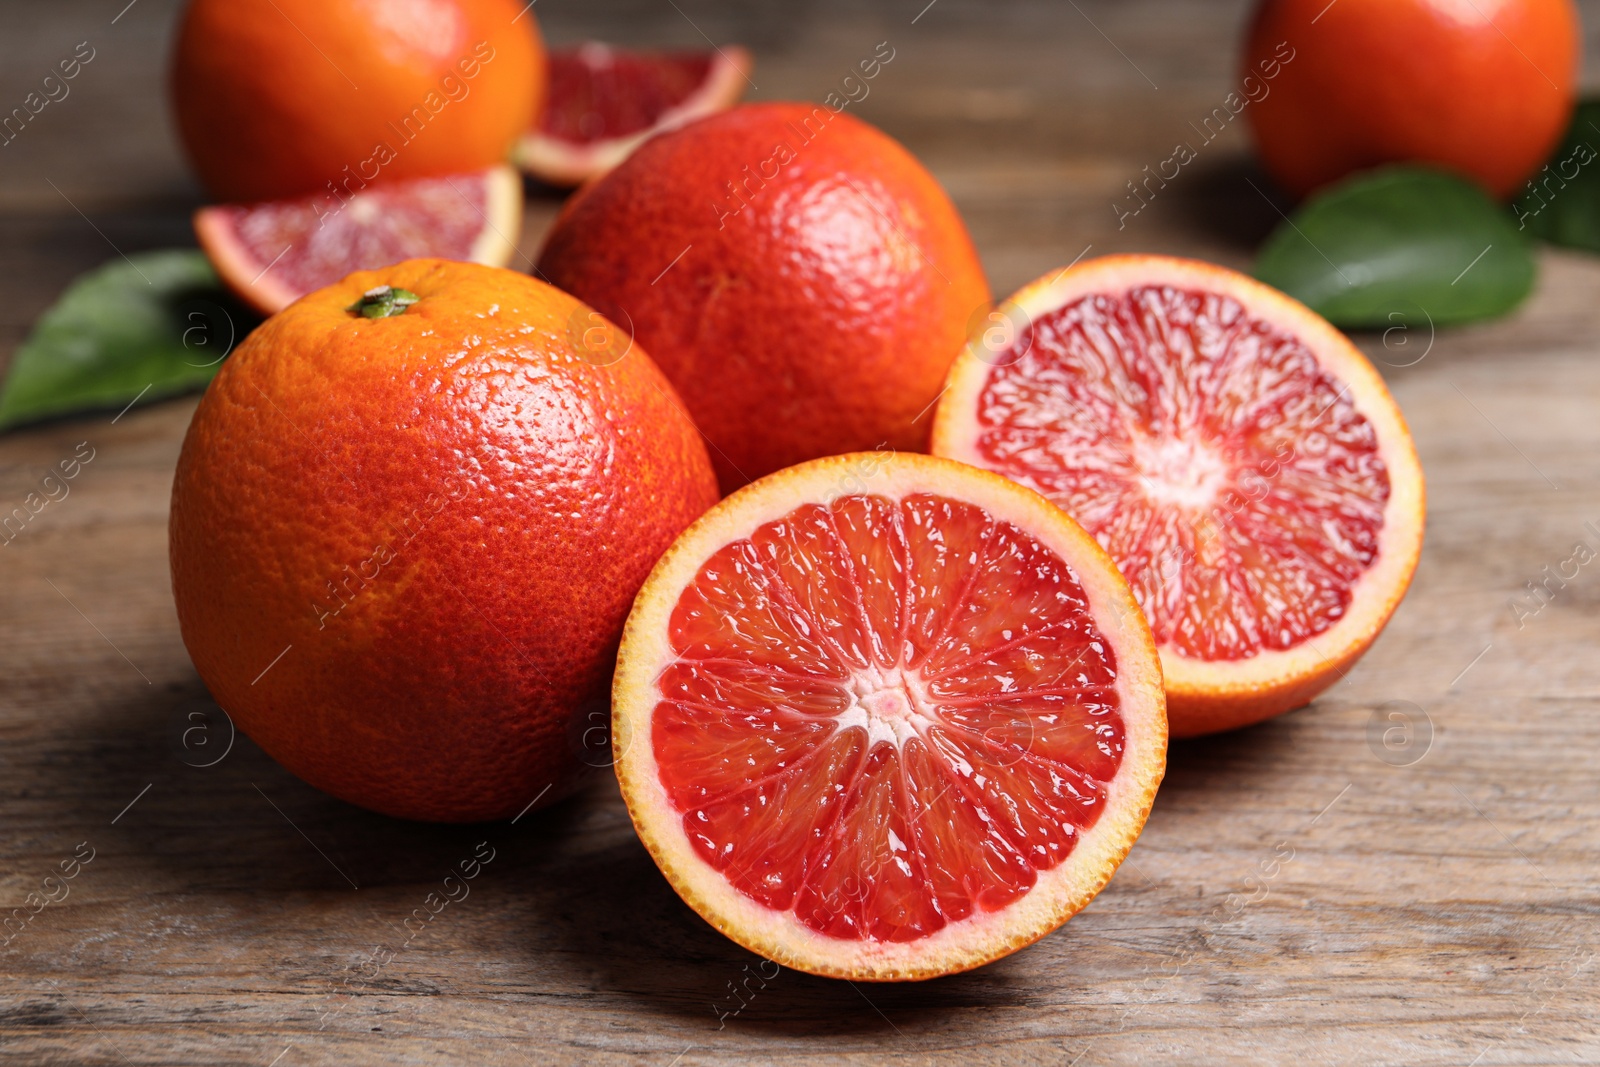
[(1561, 203), (141, 328), (1399, 246)]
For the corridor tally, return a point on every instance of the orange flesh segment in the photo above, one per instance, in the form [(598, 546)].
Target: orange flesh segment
[(317, 240), (1226, 472), (600, 93), (886, 716)]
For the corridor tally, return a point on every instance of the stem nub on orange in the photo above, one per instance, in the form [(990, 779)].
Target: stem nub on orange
[(276, 99), (409, 518)]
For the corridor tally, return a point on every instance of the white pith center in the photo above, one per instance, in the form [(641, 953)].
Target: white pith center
[(888, 704), (365, 209), (1172, 470)]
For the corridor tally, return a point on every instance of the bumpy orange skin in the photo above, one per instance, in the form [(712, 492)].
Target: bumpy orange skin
[(275, 98), (1483, 87), (822, 292), (440, 520)]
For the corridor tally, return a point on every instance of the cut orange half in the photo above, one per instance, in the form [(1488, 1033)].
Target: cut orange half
[(887, 717), (274, 253), (1238, 457)]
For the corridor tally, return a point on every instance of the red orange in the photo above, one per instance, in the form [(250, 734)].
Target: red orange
[(1482, 87), (887, 717), (283, 98), (799, 276), (403, 547), (1235, 454)]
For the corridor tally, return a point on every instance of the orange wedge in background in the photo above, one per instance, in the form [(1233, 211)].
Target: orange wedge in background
[(272, 254)]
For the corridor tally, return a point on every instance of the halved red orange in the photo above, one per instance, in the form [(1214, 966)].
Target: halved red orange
[(272, 254), (1235, 454), (887, 717), (602, 102)]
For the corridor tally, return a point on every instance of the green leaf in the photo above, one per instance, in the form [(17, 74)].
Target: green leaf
[(146, 327), (1397, 246), (1561, 203)]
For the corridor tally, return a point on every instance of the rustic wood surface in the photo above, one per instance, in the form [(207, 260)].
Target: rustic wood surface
[(1301, 893)]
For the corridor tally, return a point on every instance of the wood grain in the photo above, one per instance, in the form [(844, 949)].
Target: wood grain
[(1294, 898)]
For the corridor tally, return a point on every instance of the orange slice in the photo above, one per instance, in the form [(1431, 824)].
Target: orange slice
[(603, 102), (887, 717), (272, 254), (1238, 457)]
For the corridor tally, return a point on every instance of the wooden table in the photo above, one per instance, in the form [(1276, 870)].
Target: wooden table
[(1302, 892)]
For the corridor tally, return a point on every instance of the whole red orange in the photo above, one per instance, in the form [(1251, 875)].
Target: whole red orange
[(403, 547), (800, 277), (1483, 87), (279, 98)]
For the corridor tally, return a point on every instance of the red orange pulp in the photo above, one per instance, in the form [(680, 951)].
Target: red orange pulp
[(887, 717), (1235, 454)]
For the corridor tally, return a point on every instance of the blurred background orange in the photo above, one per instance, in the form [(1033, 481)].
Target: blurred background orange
[(1040, 133)]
